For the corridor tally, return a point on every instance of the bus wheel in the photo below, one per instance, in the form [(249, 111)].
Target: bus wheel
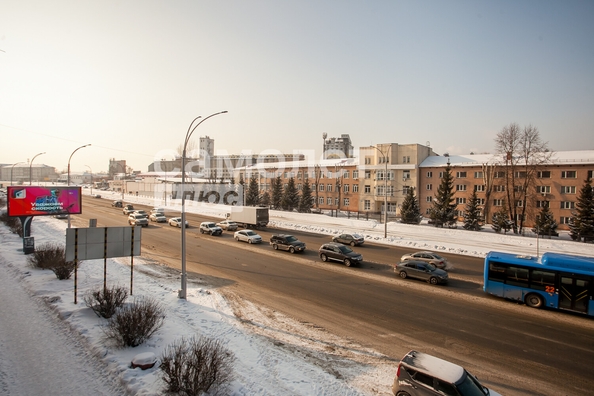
[(534, 300)]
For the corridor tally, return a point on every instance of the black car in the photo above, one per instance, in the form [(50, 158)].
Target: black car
[(338, 252), (287, 242)]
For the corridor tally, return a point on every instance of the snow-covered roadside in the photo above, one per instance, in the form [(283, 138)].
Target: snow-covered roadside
[(280, 357)]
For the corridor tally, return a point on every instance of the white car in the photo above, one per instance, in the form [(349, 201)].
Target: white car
[(176, 222), (228, 225), (158, 217), (210, 228), (248, 236), (158, 210)]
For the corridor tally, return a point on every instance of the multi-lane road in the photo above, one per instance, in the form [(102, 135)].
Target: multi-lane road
[(515, 349)]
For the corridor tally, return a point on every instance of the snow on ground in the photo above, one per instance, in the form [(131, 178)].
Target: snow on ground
[(274, 355)]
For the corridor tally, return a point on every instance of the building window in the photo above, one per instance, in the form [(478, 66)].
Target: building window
[(498, 202), (441, 175), (568, 174), (567, 205), (429, 186), (479, 187), (590, 174), (406, 159), (543, 174), (321, 187), (543, 204), (367, 205), (520, 175), (460, 187), (329, 200), (321, 200), (367, 189), (518, 188), (567, 189), (299, 187), (461, 175), (329, 187), (499, 188), (355, 188), (345, 188), (336, 201), (460, 201), (519, 203), (543, 189), (429, 174), (565, 220), (346, 174), (429, 198), (368, 174), (478, 175), (367, 160), (355, 174), (346, 202), (499, 175), (405, 190), (481, 201), (299, 175)]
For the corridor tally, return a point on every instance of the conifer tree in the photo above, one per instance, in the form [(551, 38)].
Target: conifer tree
[(545, 223), (306, 198), (473, 219), (277, 192), (500, 221), (253, 194), (410, 212), (242, 188), (581, 225), (265, 201), (290, 196), (443, 211)]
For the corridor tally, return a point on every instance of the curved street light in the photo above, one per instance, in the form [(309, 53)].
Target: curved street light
[(69, 172), (184, 276), (385, 190), (30, 167), (11, 169)]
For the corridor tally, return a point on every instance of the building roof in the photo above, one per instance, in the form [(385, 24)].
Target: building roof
[(557, 157), (325, 163)]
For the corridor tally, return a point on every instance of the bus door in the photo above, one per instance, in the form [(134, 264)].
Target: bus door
[(573, 293)]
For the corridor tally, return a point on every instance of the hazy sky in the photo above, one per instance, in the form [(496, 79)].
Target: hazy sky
[(129, 76)]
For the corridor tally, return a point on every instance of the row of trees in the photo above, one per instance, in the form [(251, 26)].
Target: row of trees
[(288, 198)]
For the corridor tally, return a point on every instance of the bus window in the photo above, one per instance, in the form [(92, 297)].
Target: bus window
[(542, 280), (516, 276)]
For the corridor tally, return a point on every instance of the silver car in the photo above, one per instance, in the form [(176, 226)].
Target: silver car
[(228, 225), (421, 270), (428, 257), (248, 236)]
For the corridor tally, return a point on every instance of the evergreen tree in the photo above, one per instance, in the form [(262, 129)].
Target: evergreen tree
[(290, 198), (265, 201), (443, 211), (242, 189), (545, 223), (277, 192), (473, 219), (306, 199), (500, 221), (410, 212), (581, 225), (253, 194)]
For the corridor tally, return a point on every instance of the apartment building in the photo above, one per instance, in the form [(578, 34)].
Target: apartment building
[(557, 183)]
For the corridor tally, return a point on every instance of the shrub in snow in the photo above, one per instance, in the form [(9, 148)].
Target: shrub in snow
[(52, 256), (13, 223), (133, 324), (197, 366), (105, 301)]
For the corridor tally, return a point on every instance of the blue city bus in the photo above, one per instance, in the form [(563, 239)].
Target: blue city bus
[(558, 281)]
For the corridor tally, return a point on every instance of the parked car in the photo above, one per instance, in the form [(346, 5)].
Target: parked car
[(136, 219), (158, 217), (127, 209), (141, 212), (287, 242), (176, 222), (228, 225), (421, 270), (248, 236), (337, 252), (209, 227), (117, 203), (350, 239), (428, 257), (421, 374)]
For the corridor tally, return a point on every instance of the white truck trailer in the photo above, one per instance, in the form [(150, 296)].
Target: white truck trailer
[(249, 216)]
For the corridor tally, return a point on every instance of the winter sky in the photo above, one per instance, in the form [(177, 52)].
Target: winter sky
[(128, 77)]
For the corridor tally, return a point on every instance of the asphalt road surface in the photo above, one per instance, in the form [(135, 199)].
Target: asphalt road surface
[(513, 348)]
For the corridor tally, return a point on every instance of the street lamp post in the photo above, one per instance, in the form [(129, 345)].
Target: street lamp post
[(30, 168), (385, 191), (91, 178), (11, 169), (68, 180), (191, 129)]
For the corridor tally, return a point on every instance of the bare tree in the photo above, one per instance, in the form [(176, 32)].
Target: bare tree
[(523, 153), (488, 175)]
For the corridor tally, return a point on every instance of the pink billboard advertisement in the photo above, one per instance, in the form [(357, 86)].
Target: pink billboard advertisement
[(42, 201)]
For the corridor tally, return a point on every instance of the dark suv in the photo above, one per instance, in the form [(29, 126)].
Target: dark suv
[(420, 374), (287, 242), (338, 252)]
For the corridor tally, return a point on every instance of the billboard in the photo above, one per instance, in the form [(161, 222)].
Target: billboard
[(43, 200)]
